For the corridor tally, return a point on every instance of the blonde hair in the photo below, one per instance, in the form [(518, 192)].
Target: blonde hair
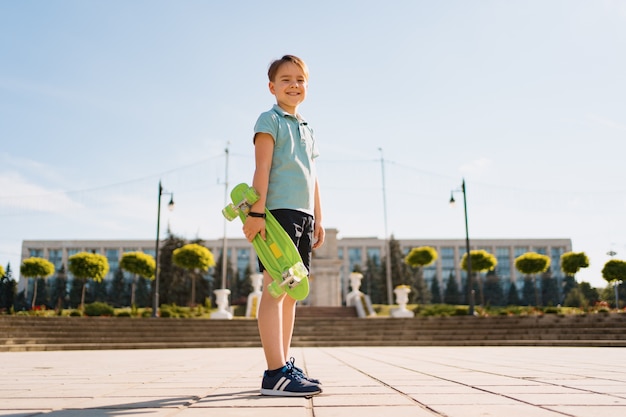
[(274, 66)]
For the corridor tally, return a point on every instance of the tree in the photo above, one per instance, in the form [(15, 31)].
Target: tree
[(614, 271), (549, 289), (493, 290), (172, 285), (575, 298), (452, 295), (138, 264), (8, 289), (36, 268), (193, 257), (482, 261), (400, 271), (529, 291), (142, 293), (59, 289), (513, 298), (419, 258), (1, 271), (530, 264), (373, 280), (572, 262), (569, 283), (118, 291), (85, 265), (435, 291)]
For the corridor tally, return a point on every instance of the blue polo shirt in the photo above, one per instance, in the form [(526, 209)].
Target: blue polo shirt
[(292, 176)]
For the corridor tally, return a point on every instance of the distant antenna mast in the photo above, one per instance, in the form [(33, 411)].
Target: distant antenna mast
[(225, 241)]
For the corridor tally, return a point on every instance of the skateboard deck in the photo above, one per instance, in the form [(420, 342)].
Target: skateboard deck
[(277, 252)]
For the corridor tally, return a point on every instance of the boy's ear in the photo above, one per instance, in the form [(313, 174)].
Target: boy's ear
[(271, 87)]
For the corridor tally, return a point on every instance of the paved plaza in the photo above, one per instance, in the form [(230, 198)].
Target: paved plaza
[(358, 381)]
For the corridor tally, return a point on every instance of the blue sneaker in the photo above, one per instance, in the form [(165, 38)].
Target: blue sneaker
[(291, 363), (287, 383)]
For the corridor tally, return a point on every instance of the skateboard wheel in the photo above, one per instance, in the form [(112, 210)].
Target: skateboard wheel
[(251, 196), (275, 290), (229, 212)]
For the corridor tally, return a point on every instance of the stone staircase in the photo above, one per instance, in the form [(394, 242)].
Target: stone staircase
[(313, 328)]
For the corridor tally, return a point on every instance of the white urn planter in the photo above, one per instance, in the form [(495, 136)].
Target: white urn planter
[(254, 298), (402, 299), (223, 310), (357, 299)]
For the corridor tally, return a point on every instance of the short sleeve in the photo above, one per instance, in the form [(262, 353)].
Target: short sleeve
[(267, 123)]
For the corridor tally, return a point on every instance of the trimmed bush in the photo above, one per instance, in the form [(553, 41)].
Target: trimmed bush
[(99, 309)]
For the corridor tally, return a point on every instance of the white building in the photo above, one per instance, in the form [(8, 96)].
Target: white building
[(332, 263)]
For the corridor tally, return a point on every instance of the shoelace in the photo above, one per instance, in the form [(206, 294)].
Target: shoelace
[(291, 364), (297, 375)]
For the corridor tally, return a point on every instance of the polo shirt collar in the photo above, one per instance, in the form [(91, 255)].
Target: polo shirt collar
[(283, 113)]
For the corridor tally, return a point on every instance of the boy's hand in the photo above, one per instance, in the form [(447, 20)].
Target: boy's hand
[(254, 226), (318, 235)]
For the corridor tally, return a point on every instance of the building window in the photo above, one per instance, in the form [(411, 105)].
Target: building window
[(503, 268), (56, 257), (36, 253), (243, 262), (374, 255), (555, 262), (354, 258), (447, 263)]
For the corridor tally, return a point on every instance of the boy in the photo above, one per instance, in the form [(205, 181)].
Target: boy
[(286, 179)]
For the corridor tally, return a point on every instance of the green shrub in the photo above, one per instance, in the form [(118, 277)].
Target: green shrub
[(174, 311), (440, 310), (123, 314), (99, 309), (552, 310), (75, 313), (461, 311)]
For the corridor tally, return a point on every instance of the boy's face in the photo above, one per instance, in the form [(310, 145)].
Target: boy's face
[(289, 86)]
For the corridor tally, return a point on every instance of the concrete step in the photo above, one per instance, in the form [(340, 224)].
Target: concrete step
[(326, 312), (62, 333)]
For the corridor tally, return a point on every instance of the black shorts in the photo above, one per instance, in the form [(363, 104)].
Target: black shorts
[(299, 226)]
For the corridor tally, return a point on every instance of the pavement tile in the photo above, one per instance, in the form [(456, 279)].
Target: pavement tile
[(463, 399), (516, 410), (373, 411), (570, 399), (591, 411), (361, 400), (357, 381), (245, 412)]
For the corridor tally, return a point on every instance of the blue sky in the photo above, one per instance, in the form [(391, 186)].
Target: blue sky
[(99, 100)]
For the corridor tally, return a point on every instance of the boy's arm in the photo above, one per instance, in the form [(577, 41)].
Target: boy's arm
[(318, 232), (263, 152)]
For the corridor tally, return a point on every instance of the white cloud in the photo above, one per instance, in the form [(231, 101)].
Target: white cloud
[(20, 195), (603, 121), (477, 167)]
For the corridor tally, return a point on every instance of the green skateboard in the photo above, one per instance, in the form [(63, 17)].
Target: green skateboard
[(277, 252)]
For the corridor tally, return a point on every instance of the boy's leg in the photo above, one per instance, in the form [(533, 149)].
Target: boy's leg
[(271, 329), (289, 318)]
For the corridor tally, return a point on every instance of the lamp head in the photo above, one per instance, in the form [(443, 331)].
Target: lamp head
[(452, 200), (170, 205)]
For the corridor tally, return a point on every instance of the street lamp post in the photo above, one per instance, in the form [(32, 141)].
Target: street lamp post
[(170, 205), (470, 290), (387, 238)]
